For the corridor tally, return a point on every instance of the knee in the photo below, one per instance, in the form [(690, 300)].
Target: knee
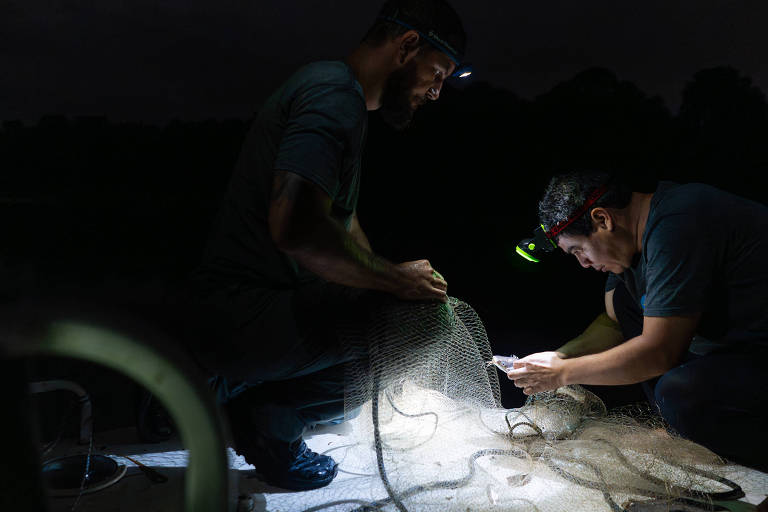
[(678, 400)]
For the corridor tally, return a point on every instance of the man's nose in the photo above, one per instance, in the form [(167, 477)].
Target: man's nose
[(434, 92), (584, 261)]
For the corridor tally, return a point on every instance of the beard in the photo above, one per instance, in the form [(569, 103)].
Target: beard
[(397, 98)]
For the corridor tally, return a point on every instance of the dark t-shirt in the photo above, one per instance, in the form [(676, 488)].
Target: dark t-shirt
[(704, 251), (314, 126)]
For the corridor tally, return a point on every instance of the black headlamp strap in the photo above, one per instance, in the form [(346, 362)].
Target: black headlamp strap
[(542, 239), (431, 36)]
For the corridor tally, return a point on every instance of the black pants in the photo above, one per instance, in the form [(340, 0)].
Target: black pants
[(280, 354), (716, 400)]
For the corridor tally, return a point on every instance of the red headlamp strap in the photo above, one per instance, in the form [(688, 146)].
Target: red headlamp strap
[(591, 199)]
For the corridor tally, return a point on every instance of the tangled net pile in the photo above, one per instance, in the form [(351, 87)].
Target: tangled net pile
[(427, 433)]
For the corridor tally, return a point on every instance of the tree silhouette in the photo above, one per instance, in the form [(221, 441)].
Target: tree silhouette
[(86, 200), (723, 129)]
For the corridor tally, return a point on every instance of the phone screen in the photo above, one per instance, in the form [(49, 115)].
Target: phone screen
[(504, 363)]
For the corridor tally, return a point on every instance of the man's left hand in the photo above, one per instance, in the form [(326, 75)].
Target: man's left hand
[(538, 372)]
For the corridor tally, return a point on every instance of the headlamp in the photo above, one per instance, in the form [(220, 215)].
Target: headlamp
[(462, 70), (532, 249), (543, 240)]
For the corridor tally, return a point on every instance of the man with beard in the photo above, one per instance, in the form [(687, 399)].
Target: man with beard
[(289, 262)]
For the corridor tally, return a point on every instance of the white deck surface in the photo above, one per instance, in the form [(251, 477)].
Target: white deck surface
[(135, 493)]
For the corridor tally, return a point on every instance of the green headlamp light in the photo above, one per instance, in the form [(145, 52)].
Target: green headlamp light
[(533, 248), (543, 240)]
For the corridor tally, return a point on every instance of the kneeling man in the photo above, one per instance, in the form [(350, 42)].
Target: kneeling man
[(686, 304)]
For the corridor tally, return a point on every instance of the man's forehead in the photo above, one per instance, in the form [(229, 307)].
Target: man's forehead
[(569, 242), (448, 64), (440, 58)]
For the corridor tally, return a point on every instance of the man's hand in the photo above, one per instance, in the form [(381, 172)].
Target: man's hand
[(538, 372), (421, 282)]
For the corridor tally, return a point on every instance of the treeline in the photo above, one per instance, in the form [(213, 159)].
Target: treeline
[(90, 201)]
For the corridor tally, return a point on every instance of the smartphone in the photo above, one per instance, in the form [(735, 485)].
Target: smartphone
[(504, 363)]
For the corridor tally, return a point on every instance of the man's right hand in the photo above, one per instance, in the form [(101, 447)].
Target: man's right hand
[(421, 282)]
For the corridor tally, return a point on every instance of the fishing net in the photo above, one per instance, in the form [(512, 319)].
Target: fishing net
[(426, 432)]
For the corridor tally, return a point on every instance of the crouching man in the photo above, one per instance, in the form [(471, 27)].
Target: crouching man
[(686, 264)]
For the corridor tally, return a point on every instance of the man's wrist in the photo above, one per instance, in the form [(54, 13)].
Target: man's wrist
[(566, 372)]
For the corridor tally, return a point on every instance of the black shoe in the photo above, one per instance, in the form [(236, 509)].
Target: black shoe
[(290, 466)]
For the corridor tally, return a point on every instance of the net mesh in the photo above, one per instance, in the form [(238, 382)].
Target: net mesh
[(426, 431)]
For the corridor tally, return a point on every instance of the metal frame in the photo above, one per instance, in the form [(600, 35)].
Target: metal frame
[(207, 484), (86, 409)]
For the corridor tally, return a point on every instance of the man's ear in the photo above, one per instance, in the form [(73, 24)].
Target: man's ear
[(409, 44), (602, 219)]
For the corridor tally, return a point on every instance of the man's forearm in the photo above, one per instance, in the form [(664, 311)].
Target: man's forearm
[(633, 361), (301, 225), (661, 346), (602, 334), (336, 256), (358, 235)]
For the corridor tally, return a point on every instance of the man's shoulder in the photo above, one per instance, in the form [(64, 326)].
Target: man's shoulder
[(670, 192), (686, 205), (683, 213), (703, 206), (331, 75), (680, 197)]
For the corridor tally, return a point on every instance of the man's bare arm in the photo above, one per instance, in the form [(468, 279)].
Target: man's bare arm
[(301, 225), (603, 333), (659, 348), (357, 233)]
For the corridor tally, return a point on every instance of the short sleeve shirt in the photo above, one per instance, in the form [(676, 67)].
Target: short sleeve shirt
[(704, 251), (314, 125)]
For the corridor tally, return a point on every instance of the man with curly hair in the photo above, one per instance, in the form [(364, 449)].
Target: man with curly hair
[(686, 304)]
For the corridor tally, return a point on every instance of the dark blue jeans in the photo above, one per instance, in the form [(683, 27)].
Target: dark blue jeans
[(717, 399), (281, 354)]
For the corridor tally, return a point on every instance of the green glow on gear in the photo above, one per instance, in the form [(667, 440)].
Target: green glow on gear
[(550, 240), (531, 246), (526, 255)]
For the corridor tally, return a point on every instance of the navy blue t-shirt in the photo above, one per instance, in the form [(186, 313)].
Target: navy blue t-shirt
[(314, 125), (704, 251)]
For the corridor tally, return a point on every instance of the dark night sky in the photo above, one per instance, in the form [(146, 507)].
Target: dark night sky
[(119, 215), (192, 59)]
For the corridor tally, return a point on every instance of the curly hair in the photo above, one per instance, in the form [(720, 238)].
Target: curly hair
[(566, 193)]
